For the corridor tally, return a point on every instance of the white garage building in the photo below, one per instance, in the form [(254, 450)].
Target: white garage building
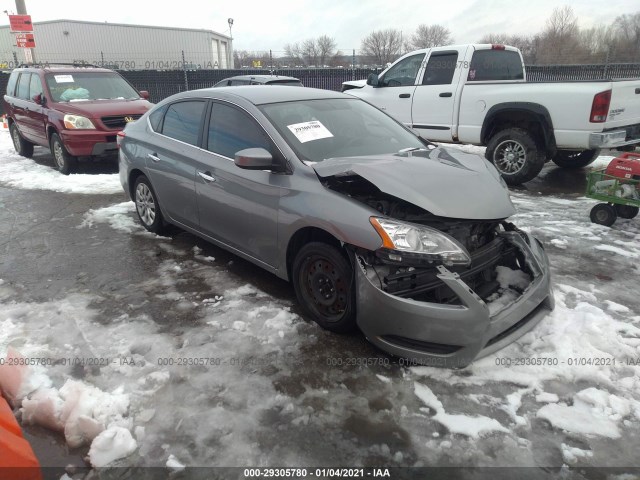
[(120, 45)]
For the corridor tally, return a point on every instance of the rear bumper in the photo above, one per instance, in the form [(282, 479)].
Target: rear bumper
[(84, 143), (452, 335), (614, 138)]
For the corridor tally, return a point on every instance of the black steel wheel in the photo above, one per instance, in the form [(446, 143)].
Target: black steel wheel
[(65, 162), (575, 159), (603, 214), (323, 281), (626, 211), (23, 147), (147, 206), (516, 155)]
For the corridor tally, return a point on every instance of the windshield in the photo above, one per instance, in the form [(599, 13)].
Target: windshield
[(79, 86), (321, 129)]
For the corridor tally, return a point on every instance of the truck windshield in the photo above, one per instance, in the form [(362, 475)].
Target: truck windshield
[(489, 65), (79, 86), (332, 128)]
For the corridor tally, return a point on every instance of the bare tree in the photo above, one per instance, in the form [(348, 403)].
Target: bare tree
[(525, 44), (325, 47), (626, 43), (241, 58), (428, 36), (294, 52), (560, 39), (383, 45), (310, 51)]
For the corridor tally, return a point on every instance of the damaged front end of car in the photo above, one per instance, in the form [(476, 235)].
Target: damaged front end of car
[(443, 291)]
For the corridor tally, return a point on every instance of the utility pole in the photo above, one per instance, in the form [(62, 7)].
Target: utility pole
[(21, 9)]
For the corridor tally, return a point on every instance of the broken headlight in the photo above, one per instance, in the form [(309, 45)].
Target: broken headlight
[(409, 244)]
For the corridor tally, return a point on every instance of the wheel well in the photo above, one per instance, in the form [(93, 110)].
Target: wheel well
[(133, 175), (304, 236), (534, 123), (50, 131)]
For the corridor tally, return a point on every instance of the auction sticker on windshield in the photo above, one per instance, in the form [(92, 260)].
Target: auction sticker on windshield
[(63, 78), (308, 131)]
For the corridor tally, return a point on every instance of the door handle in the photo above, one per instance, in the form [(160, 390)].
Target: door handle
[(404, 95), (153, 157), (446, 94), (206, 176)]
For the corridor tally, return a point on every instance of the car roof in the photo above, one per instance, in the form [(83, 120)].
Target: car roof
[(263, 94), (64, 69), (261, 78)]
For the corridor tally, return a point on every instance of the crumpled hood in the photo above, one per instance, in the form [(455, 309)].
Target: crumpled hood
[(446, 182)]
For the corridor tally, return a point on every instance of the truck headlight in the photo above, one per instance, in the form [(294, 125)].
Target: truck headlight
[(406, 243), (78, 122)]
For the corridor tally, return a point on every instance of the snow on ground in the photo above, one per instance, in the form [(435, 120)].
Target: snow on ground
[(26, 174), (235, 377)]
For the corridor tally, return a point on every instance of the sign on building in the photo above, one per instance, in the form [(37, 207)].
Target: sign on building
[(20, 23)]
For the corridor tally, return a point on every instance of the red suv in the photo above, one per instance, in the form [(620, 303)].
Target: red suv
[(74, 111)]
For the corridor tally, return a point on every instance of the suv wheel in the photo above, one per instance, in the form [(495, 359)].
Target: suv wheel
[(65, 162), (516, 155), (23, 147)]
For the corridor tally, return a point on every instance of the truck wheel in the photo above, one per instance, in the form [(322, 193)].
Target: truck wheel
[(575, 158), (323, 281), (65, 162), (603, 214), (23, 147), (516, 155), (626, 211)]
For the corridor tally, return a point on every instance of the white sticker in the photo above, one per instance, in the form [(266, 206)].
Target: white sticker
[(307, 131), (63, 78)]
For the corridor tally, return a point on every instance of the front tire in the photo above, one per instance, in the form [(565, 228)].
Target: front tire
[(324, 285), (575, 159), (516, 155), (65, 162), (603, 214), (23, 147), (147, 206)]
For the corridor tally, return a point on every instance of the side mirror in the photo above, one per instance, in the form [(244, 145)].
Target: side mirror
[(144, 94), (372, 79), (39, 99), (254, 159)]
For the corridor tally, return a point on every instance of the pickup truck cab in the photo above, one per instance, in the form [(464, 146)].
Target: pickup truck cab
[(478, 94), (76, 111)]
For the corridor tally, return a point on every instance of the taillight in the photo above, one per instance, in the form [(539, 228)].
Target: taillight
[(495, 46), (600, 107), (119, 136)]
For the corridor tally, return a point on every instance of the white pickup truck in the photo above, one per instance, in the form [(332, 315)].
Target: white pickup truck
[(478, 94)]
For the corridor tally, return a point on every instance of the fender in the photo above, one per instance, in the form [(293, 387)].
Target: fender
[(535, 110)]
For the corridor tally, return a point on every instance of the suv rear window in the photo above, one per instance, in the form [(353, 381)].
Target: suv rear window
[(23, 86), (495, 65)]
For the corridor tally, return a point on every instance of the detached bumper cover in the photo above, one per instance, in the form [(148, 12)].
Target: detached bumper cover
[(452, 335)]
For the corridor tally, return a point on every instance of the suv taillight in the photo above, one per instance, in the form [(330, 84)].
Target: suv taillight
[(600, 107), (119, 136)]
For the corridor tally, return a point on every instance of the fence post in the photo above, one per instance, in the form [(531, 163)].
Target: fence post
[(102, 58), (184, 70), (606, 64)]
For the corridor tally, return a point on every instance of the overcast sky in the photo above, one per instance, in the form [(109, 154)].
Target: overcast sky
[(263, 25)]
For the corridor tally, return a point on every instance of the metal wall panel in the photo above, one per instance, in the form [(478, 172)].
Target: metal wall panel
[(119, 45)]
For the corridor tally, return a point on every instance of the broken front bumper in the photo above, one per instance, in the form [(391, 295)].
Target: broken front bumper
[(452, 335)]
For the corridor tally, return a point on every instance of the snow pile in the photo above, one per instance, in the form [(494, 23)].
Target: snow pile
[(121, 216), (572, 455), (471, 426), (111, 445), (24, 173), (512, 284)]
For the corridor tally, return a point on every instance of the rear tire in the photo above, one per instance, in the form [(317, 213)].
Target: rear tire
[(575, 159), (147, 206), (626, 211), (65, 163), (23, 147), (603, 214), (323, 281), (516, 155)]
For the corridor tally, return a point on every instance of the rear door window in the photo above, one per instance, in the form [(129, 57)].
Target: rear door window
[(13, 81), (489, 65), (23, 86), (183, 120), (440, 68)]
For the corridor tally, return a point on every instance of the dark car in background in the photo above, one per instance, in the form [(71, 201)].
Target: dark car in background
[(242, 80), (74, 111), (373, 226)]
